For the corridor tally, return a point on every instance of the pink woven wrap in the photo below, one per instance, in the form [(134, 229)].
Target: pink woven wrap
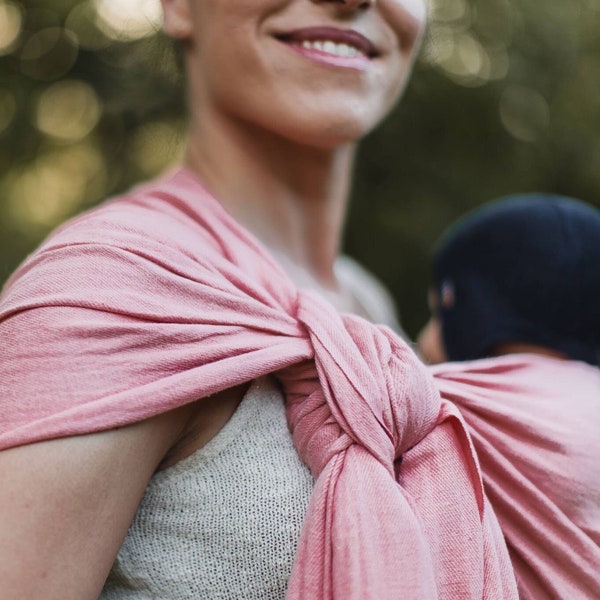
[(160, 298), (534, 422)]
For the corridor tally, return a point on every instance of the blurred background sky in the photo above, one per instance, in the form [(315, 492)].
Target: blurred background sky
[(505, 98)]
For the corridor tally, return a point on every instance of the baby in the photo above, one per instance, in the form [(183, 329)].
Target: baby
[(515, 304)]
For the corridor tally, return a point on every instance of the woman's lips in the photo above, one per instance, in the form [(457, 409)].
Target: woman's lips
[(330, 45)]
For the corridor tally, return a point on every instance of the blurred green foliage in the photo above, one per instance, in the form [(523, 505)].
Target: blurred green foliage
[(505, 98)]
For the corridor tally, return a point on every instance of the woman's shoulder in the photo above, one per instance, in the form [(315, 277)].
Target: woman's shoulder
[(160, 210), (151, 227)]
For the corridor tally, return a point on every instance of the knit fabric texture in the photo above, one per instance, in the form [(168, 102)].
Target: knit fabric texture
[(223, 523), (534, 421), (160, 298)]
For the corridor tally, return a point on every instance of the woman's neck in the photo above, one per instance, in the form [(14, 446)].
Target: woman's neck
[(292, 197)]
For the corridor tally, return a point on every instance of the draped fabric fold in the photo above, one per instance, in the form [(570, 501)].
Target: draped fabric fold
[(534, 422), (173, 301)]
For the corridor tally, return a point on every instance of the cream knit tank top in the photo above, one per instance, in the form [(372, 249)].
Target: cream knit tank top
[(223, 523)]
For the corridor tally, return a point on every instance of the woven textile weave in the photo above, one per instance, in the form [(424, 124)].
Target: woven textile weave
[(534, 422), (160, 298)]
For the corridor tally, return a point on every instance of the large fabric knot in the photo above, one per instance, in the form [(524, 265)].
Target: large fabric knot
[(351, 415), (365, 386), (359, 403)]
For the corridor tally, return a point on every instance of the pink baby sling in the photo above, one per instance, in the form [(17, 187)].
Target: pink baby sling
[(535, 421), (160, 298)]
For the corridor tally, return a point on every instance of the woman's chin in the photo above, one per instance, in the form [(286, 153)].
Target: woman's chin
[(317, 121), (329, 131)]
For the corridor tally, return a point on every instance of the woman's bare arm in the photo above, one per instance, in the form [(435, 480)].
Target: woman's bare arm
[(66, 505)]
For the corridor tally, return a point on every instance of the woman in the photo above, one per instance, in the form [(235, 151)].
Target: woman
[(133, 333)]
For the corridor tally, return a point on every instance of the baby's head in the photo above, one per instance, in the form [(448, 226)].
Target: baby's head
[(522, 271)]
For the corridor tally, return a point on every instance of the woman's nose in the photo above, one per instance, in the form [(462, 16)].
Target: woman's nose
[(349, 4)]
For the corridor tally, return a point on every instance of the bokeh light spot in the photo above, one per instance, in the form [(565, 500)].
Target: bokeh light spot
[(82, 21), (463, 44), (450, 10), (68, 110), (465, 60), (55, 186), (40, 43), (11, 21), (49, 54), (439, 44), (129, 19), (524, 112), (473, 57)]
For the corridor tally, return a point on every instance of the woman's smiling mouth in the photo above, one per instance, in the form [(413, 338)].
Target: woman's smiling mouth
[(332, 46)]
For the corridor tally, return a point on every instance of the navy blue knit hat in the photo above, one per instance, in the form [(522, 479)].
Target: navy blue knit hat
[(521, 269)]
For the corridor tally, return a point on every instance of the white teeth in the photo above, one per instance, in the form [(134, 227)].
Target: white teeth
[(333, 48), (329, 47)]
